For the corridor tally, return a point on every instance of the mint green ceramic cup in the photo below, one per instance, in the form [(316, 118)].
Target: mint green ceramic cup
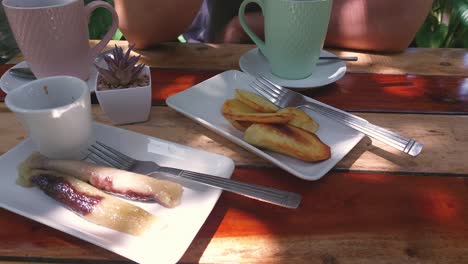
[(295, 31)]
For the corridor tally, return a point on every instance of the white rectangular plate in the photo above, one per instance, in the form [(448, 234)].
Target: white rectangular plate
[(163, 246), (203, 102)]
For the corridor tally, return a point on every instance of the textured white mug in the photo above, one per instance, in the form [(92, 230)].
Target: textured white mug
[(53, 34), (56, 112)]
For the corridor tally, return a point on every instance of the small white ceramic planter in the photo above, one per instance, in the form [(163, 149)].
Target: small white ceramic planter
[(129, 105)]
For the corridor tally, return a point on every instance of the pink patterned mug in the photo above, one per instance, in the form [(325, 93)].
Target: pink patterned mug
[(53, 35)]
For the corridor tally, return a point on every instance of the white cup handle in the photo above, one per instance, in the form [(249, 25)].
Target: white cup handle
[(260, 43)]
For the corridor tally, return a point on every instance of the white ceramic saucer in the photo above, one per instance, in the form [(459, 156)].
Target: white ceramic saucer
[(8, 82), (327, 71)]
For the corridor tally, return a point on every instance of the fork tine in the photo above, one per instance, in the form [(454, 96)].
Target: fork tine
[(112, 156), (98, 160), (272, 86), (266, 88), (116, 152), (104, 156), (263, 92), (278, 87)]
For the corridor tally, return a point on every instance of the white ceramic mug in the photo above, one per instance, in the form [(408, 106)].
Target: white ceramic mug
[(53, 34), (294, 34), (56, 111)]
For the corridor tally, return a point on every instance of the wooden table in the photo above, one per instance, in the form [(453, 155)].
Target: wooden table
[(376, 206)]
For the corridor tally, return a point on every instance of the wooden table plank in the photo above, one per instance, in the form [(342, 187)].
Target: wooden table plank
[(354, 92), (444, 137), (396, 93), (405, 219), (416, 61), (376, 206)]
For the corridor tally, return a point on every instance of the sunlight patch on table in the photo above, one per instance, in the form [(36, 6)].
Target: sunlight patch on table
[(440, 205)]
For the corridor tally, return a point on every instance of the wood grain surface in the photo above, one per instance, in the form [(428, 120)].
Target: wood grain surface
[(403, 221), (353, 92), (203, 56), (377, 205), (444, 138)]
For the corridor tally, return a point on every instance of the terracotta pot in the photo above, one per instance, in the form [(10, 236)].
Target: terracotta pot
[(147, 22), (376, 25)]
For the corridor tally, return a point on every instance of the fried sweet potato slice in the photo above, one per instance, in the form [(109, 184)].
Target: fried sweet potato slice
[(271, 118), (288, 140), (241, 116), (234, 106), (255, 101), (241, 125), (301, 119)]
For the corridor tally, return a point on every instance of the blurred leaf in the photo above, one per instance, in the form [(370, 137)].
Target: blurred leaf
[(431, 34), (100, 22), (118, 35), (461, 39), (8, 47), (461, 11), (446, 26)]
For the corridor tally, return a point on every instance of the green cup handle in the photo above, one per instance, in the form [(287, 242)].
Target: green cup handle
[(260, 43)]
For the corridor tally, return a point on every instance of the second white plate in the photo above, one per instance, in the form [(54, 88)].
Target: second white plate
[(203, 102)]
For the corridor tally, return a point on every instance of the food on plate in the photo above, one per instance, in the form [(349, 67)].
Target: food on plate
[(89, 202), (271, 118), (128, 184), (241, 125), (241, 116), (288, 140), (289, 131), (300, 119), (255, 101), (234, 107)]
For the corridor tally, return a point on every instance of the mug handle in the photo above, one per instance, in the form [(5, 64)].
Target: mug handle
[(89, 8), (260, 43)]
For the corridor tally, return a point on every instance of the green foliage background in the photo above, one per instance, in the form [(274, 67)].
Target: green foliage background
[(100, 22), (446, 25), (8, 46)]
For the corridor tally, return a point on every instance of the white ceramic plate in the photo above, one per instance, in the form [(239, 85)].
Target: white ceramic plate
[(326, 71), (8, 82), (203, 102), (164, 246)]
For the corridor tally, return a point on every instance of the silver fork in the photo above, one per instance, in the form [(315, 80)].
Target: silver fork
[(108, 156), (283, 97)]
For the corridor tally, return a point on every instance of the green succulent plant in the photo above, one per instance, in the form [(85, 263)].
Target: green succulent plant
[(122, 68)]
